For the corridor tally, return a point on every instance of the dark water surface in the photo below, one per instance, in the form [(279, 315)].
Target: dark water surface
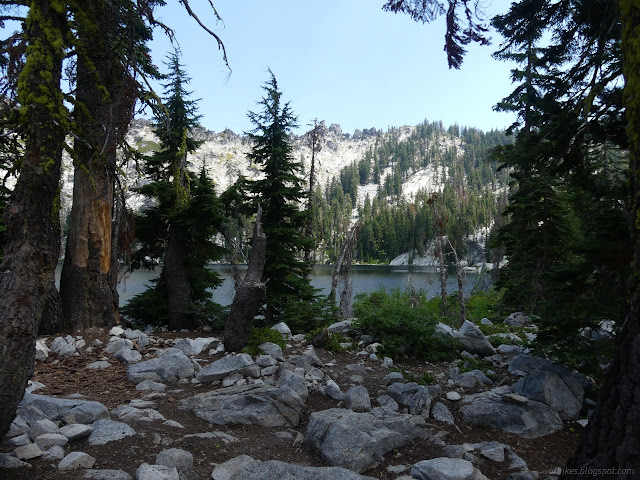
[(364, 278)]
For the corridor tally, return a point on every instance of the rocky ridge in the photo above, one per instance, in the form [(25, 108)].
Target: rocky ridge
[(183, 409)]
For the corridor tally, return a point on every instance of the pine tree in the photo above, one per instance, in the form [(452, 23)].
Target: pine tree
[(279, 193), (179, 228)]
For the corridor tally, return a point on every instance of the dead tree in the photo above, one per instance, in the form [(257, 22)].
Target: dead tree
[(460, 291), (313, 139), (341, 271), (440, 221), (249, 295)]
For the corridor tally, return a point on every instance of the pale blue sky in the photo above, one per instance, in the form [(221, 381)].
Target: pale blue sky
[(342, 61)]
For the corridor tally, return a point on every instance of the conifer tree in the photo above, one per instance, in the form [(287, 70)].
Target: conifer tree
[(177, 231), (279, 193)]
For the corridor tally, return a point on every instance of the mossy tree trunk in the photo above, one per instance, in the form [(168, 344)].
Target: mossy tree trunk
[(102, 115), (612, 437), (32, 214)]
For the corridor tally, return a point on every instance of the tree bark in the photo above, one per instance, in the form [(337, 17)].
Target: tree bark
[(102, 115), (612, 437), (249, 295), (176, 279), (32, 216)]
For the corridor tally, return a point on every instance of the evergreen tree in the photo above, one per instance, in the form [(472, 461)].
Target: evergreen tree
[(279, 193), (178, 230)]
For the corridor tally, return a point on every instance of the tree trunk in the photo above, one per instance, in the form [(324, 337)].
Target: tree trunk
[(612, 437), (176, 280), (249, 295), (443, 274), (102, 115), (32, 216)]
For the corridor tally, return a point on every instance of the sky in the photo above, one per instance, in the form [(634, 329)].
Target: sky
[(341, 61)]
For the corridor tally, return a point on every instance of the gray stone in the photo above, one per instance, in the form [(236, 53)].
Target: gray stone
[(473, 378), (549, 388), (20, 440), (116, 331), (486, 321), (128, 355), (57, 344), (76, 460), (151, 385), (357, 368), (444, 329), (518, 319), (272, 349), (132, 334), (314, 374), (225, 366), (359, 440), (116, 343), (340, 327), (441, 413), (393, 377), (156, 472), (127, 413), (332, 390), (54, 453), (357, 399), (453, 396), (67, 351), (474, 340), (232, 379), (510, 350), (69, 410), (246, 468), (106, 475), (175, 458), (76, 431), (265, 361), (387, 403), (282, 328), (19, 426), (47, 440), (29, 451), (194, 346), (9, 461), (171, 366), (40, 427), (444, 468), (105, 431), (99, 365), (417, 398), (266, 405), (42, 351), (531, 420)]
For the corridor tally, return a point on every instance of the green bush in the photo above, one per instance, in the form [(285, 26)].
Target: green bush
[(402, 328), (261, 335)]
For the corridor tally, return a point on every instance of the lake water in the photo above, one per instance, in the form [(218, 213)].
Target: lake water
[(364, 278)]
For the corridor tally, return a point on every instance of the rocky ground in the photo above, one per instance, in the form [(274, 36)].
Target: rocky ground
[(175, 406)]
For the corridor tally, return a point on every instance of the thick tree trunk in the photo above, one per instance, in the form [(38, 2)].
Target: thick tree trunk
[(32, 218), (176, 279), (102, 116), (612, 437), (249, 295)]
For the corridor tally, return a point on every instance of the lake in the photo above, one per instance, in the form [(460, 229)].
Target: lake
[(364, 278)]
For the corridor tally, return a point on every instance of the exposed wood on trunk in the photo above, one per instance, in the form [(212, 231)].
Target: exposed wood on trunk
[(341, 270), (32, 219), (250, 294), (459, 272)]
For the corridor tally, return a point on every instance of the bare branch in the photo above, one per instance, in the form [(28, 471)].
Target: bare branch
[(206, 29)]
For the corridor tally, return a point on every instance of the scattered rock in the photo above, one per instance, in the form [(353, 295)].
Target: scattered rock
[(156, 472), (357, 399), (175, 458), (69, 410), (171, 366), (9, 461), (474, 340), (225, 366), (283, 328), (340, 327), (453, 396), (359, 440), (151, 385), (332, 390), (106, 475), (47, 440), (99, 365), (105, 431), (76, 460), (29, 451), (444, 468), (246, 468), (76, 431), (441, 413), (128, 355), (194, 346)]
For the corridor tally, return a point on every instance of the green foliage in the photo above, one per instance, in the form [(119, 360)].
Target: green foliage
[(279, 192), (147, 308), (262, 335), (400, 327), (335, 339), (425, 378)]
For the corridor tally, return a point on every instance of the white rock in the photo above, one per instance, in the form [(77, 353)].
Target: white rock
[(453, 396), (116, 331), (76, 460), (283, 328)]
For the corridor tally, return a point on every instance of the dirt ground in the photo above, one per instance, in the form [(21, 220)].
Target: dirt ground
[(110, 386)]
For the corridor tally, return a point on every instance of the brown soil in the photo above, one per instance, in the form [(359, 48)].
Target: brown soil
[(111, 387)]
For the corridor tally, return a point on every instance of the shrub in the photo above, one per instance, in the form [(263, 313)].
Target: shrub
[(400, 327), (261, 335)]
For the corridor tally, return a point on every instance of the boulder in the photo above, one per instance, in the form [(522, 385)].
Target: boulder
[(332, 390), (29, 451), (357, 399), (47, 440), (194, 346), (172, 365), (441, 413), (550, 389), (444, 468), (76, 460), (9, 461), (225, 366), (127, 355), (530, 420), (272, 349), (518, 319), (105, 431), (245, 467), (69, 410), (358, 441), (156, 472), (267, 405), (76, 431), (340, 327), (417, 398), (474, 340), (282, 328)]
